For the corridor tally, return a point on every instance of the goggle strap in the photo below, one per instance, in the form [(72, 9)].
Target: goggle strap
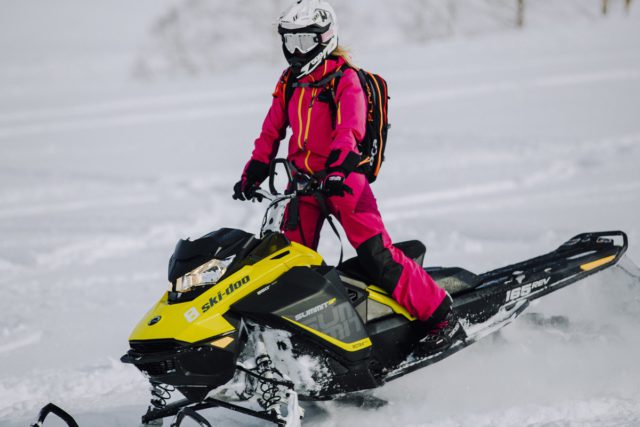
[(325, 37)]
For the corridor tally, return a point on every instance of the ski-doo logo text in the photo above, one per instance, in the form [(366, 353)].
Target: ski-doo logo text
[(222, 294), (314, 310), (526, 290)]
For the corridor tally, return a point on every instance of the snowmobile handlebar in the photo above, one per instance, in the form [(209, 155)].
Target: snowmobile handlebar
[(272, 173), (298, 183)]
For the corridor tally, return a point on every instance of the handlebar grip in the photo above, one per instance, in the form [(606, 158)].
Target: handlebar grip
[(272, 176)]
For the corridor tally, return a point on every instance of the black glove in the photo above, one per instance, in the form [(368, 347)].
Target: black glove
[(242, 191), (333, 185), (339, 165), (254, 173), (342, 161)]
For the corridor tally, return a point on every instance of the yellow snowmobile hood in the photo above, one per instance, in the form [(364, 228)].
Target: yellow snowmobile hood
[(202, 318)]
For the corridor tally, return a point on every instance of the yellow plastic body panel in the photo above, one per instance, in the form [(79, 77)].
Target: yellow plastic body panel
[(190, 322), (377, 296), (377, 289)]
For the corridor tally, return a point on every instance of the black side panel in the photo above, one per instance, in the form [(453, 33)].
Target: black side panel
[(314, 298), (393, 339)]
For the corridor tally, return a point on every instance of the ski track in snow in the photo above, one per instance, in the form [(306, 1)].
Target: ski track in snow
[(488, 89), (18, 337), (25, 209), (492, 198), (127, 105), (605, 412), (109, 385), (94, 194), (498, 195)]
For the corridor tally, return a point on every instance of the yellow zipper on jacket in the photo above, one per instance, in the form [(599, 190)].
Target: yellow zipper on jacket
[(300, 119), (306, 132), (302, 145)]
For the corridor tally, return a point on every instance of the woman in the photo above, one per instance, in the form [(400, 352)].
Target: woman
[(326, 141)]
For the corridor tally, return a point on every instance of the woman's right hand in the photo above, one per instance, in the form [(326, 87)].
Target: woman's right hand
[(254, 173), (245, 191)]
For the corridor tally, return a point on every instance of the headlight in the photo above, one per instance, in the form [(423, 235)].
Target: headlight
[(207, 274)]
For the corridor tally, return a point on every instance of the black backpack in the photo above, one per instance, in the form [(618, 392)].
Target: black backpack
[(374, 143)]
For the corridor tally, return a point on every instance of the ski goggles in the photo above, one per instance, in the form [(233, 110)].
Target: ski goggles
[(303, 42)]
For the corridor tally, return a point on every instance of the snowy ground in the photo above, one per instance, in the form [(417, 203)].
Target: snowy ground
[(502, 148)]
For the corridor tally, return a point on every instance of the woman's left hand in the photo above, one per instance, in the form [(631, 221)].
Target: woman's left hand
[(333, 185)]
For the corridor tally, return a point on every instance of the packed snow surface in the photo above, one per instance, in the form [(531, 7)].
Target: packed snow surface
[(503, 146)]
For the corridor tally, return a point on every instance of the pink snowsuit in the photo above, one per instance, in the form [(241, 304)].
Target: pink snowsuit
[(313, 139)]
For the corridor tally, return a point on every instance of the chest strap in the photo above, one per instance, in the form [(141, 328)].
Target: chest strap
[(321, 83)]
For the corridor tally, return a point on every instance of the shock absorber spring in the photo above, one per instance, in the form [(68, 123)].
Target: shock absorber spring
[(160, 394), (269, 391)]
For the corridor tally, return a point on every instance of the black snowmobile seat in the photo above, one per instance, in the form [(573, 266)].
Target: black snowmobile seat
[(414, 249), (453, 279)]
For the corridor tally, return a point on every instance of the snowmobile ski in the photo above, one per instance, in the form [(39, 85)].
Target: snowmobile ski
[(55, 410)]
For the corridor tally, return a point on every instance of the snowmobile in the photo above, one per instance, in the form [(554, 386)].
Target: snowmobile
[(255, 324)]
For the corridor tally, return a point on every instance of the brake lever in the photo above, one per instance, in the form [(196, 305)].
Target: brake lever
[(258, 195)]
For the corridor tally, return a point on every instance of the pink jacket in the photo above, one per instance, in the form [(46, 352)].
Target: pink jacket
[(311, 121)]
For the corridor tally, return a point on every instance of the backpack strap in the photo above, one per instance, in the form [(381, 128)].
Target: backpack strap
[(288, 82), (333, 88)]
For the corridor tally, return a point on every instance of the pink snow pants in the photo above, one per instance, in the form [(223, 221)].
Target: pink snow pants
[(387, 266)]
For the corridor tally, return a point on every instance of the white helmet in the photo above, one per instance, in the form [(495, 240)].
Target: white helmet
[(309, 31)]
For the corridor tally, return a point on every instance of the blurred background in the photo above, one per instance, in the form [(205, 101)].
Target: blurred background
[(124, 125)]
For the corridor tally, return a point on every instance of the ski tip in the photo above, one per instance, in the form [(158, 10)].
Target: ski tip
[(50, 408)]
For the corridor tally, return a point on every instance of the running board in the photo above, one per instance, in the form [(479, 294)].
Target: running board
[(474, 333)]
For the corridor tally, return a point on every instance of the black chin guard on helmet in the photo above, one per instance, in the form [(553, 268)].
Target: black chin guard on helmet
[(298, 60)]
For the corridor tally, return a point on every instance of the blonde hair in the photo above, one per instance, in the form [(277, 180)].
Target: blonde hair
[(344, 53)]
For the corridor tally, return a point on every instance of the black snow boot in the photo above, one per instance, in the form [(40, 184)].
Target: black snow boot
[(443, 334), (441, 330)]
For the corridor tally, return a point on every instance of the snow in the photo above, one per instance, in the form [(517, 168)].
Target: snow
[(504, 144)]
